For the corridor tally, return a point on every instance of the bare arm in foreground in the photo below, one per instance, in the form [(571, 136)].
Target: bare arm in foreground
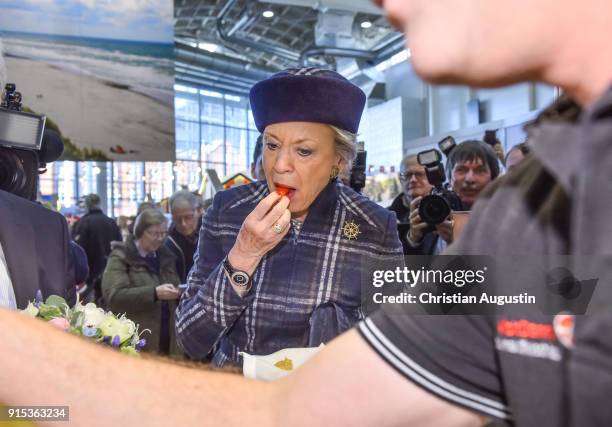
[(346, 384)]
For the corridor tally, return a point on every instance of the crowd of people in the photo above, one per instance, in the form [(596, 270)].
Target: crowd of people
[(141, 274), (277, 262)]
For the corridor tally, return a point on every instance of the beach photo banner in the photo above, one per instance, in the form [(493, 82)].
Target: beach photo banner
[(102, 71)]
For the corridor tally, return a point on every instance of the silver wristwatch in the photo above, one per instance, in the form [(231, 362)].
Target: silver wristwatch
[(238, 278)]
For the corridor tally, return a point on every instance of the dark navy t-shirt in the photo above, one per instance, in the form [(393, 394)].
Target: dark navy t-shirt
[(536, 370)]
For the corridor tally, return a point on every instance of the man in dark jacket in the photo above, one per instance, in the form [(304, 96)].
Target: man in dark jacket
[(186, 210), (94, 233), (35, 253)]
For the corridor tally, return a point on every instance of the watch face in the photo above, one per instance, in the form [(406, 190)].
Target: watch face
[(240, 278)]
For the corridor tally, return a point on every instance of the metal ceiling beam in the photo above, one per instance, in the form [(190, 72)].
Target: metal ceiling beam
[(235, 31), (337, 52), (360, 6), (212, 81), (210, 75), (198, 83), (220, 63), (275, 50), (393, 46)]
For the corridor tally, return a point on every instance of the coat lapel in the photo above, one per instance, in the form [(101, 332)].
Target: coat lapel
[(17, 239)]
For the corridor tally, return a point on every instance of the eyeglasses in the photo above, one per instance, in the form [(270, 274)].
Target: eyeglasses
[(406, 176), (156, 234)]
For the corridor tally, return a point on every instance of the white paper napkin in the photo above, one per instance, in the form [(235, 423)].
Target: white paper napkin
[(262, 367)]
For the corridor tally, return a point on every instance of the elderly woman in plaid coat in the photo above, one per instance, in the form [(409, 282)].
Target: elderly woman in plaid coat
[(279, 261)]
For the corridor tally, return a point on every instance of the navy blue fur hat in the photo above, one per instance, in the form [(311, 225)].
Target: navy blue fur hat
[(307, 95)]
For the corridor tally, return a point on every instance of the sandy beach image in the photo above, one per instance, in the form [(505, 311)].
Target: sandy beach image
[(102, 72), (104, 116)]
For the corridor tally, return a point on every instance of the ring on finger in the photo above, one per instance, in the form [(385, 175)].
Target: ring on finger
[(277, 228)]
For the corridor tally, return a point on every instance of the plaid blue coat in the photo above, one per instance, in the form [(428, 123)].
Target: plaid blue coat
[(306, 290)]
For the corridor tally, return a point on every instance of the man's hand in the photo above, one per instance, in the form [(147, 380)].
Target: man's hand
[(417, 226), (445, 229)]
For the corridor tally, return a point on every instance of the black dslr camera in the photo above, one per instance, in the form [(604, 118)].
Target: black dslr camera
[(21, 139), (435, 207)]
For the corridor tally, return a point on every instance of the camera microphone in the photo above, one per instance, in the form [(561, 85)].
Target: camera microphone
[(52, 146)]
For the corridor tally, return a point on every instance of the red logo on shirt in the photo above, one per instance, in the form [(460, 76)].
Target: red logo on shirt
[(563, 325), (526, 329)]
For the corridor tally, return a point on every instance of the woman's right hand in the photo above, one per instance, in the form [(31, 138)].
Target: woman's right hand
[(257, 235), (166, 292)]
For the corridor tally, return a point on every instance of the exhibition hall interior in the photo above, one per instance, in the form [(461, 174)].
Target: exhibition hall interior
[(111, 97), (305, 212)]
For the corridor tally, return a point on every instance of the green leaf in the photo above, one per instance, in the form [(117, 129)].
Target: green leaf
[(49, 312), (56, 301)]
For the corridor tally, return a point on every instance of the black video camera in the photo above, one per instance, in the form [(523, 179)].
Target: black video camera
[(358, 176), (21, 146), (436, 207)]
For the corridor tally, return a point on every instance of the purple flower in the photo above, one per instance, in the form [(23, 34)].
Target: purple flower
[(106, 340), (116, 341), (141, 343), (39, 297)]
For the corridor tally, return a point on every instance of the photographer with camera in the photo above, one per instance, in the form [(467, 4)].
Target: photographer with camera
[(35, 249), (430, 222), (415, 185), (472, 166)]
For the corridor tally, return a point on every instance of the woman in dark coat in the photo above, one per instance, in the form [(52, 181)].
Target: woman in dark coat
[(141, 281)]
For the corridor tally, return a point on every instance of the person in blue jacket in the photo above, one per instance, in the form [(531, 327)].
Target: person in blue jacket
[(279, 261)]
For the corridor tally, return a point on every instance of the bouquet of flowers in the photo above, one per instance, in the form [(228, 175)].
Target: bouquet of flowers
[(89, 321)]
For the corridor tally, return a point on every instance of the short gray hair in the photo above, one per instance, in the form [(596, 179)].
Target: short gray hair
[(345, 143), (184, 196), (407, 158), (146, 219)]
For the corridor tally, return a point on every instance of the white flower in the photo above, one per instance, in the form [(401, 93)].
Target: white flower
[(30, 310), (128, 326), (92, 315), (112, 327)]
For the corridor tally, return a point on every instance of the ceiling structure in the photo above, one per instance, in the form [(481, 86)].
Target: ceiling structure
[(230, 44)]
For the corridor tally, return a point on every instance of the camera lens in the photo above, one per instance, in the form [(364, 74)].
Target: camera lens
[(434, 209), (13, 177)]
